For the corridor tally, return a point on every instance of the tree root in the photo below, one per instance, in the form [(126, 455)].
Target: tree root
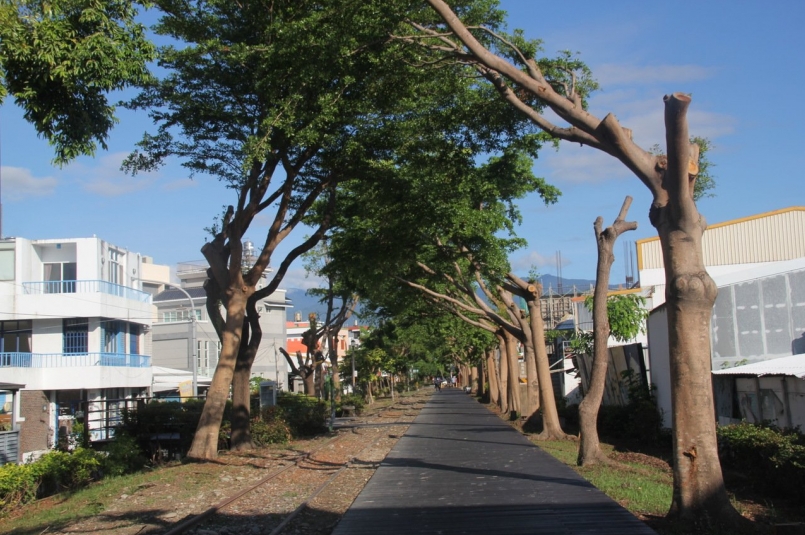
[(554, 435)]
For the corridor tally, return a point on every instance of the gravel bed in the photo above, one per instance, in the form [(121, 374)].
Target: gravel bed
[(347, 458)]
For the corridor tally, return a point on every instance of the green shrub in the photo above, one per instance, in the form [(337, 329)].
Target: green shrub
[(305, 415), (354, 400), (123, 456), (270, 427), (773, 458), (18, 484), (53, 472)]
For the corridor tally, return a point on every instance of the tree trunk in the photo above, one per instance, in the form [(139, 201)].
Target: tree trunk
[(334, 367), (532, 411), (492, 374), (690, 294), (205, 441), (241, 401), (589, 444), (476, 373), (503, 374), (309, 382), (241, 386), (514, 375), (551, 428)]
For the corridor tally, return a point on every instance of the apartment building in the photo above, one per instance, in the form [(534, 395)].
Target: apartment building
[(74, 325)]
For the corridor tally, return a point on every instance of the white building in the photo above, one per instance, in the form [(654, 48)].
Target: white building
[(74, 329), (758, 264)]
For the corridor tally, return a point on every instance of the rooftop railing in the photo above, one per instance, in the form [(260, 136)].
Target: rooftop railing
[(70, 360), (85, 287)]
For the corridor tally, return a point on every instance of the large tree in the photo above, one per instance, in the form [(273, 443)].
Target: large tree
[(59, 60), (527, 83), (282, 101)]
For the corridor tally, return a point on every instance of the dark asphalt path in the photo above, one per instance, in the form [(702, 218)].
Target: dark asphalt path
[(459, 469)]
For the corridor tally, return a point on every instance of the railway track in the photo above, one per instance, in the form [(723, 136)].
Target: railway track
[(323, 482)]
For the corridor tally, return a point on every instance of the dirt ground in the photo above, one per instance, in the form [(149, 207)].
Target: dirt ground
[(334, 467)]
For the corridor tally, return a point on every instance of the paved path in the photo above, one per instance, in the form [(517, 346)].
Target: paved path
[(461, 470)]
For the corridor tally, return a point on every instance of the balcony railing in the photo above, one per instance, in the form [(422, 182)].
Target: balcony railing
[(70, 360), (85, 287)]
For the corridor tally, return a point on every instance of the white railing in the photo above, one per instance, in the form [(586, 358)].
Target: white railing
[(85, 287), (70, 360)]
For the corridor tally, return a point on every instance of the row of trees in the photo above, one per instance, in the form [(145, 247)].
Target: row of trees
[(368, 120)]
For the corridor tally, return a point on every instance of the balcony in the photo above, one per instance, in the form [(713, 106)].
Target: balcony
[(85, 287), (72, 360)]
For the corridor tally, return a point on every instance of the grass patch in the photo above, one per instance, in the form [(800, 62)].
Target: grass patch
[(58, 511), (644, 490), (54, 513)]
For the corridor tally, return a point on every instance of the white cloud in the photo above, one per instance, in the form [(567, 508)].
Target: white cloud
[(179, 184), (532, 259), (612, 74), (298, 278), (576, 164), (19, 183), (105, 177)]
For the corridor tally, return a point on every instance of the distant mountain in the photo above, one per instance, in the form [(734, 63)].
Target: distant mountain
[(550, 283), (306, 304), (303, 304)]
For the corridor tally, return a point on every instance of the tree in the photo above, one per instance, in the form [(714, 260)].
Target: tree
[(59, 60), (589, 445), (340, 304), (438, 233), (527, 83), (282, 101)]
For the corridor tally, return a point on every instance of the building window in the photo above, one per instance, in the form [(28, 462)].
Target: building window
[(134, 339), (75, 335), (207, 353), (7, 257), (115, 268), (180, 315), (202, 355), (114, 333), (15, 336), (60, 277)]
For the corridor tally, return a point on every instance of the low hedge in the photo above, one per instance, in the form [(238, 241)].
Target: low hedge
[(305, 415), (773, 458), (53, 472)]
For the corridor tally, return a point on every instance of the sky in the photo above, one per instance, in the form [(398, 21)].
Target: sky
[(743, 62)]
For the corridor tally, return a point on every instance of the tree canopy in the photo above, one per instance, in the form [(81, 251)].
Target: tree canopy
[(60, 59)]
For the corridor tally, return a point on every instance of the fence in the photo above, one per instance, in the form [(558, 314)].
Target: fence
[(85, 287), (72, 360), (101, 419)]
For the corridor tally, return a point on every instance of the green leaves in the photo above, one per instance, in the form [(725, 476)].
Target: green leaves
[(60, 59), (627, 315)]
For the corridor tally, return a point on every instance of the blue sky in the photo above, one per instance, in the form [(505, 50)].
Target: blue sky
[(743, 63)]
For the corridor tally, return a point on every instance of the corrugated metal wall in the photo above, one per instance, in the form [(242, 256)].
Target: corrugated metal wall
[(765, 238)]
